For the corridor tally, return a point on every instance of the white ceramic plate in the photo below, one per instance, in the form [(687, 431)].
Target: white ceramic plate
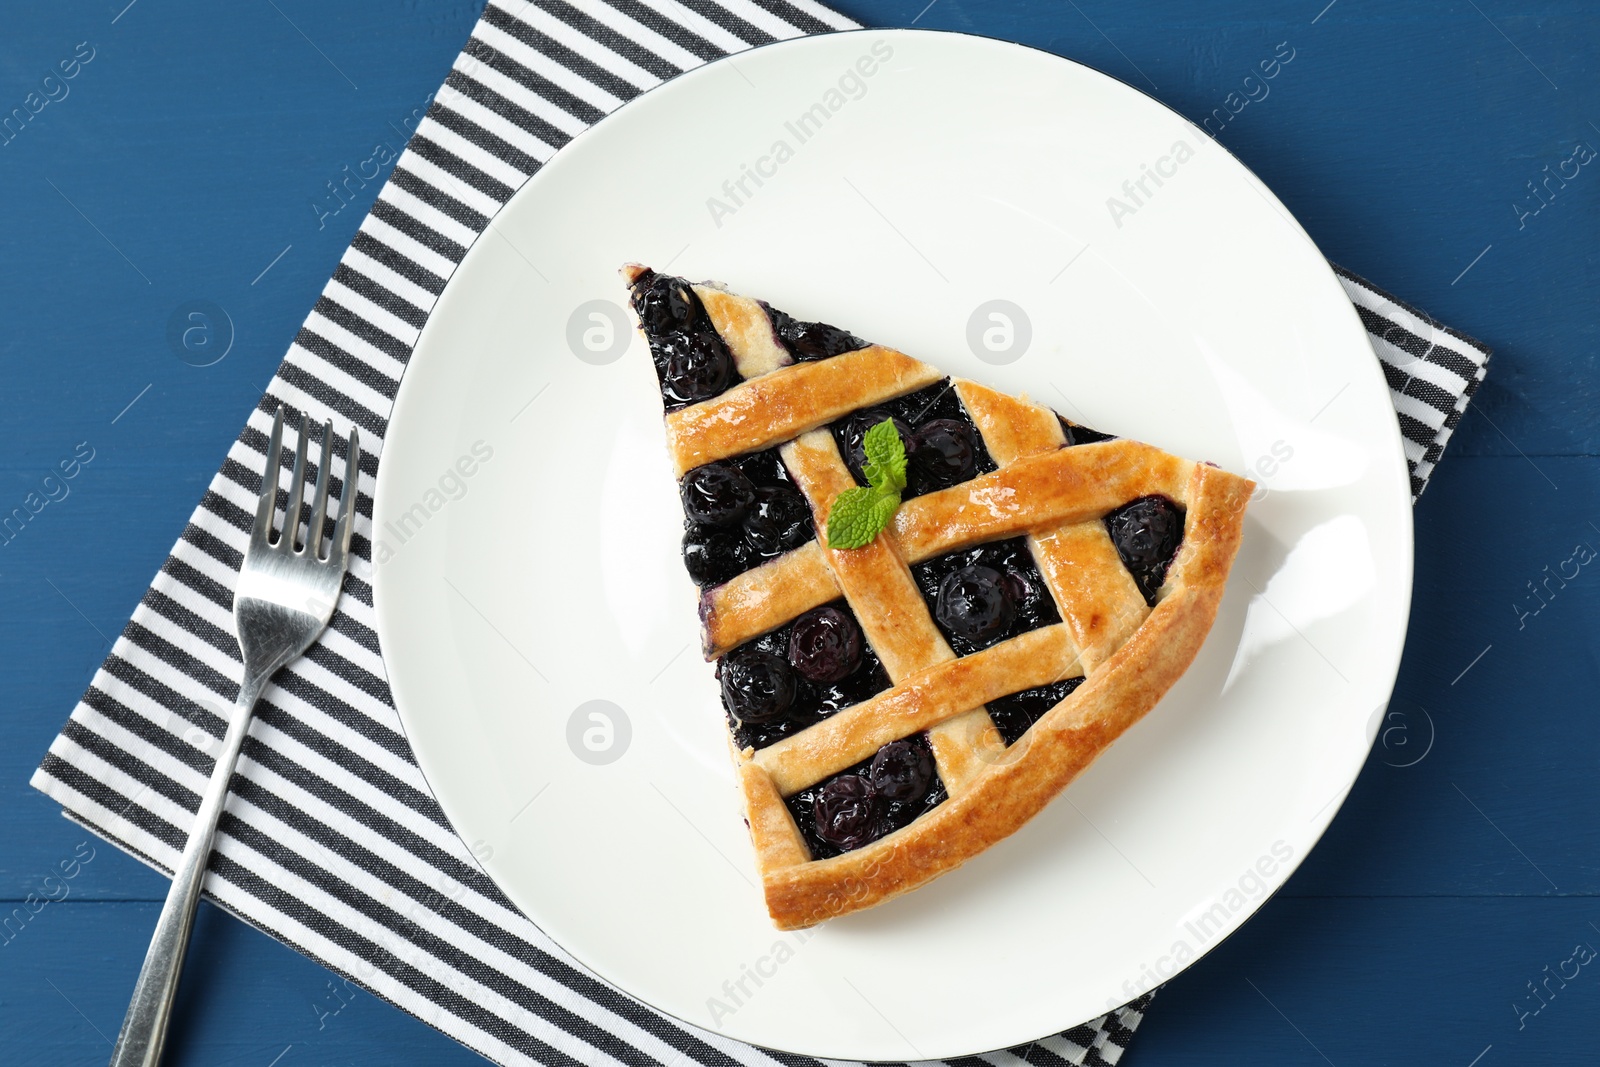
[(518, 602)]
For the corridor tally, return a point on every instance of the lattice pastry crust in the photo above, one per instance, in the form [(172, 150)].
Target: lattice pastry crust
[(1128, 652)]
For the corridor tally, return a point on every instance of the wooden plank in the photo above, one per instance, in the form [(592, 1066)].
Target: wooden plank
[(245, 998), (1434, 980), (1403, 142)]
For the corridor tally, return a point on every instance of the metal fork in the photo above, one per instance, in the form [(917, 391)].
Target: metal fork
[(284, 601)]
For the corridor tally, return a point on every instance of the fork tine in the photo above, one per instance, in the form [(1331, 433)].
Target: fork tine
[(319, 506), (339, 552), (297, 490), (269, 482)]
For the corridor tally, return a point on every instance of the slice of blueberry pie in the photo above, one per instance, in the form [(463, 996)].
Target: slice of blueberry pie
[(931, 605)]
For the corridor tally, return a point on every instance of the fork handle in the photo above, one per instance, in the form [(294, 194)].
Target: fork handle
[(144, 1028)]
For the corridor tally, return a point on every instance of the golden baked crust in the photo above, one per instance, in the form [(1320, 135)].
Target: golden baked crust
[(876, 581), (1009, 788), (780, 406), (765, 597), (1127, 652), (926, 699), (745, 329)]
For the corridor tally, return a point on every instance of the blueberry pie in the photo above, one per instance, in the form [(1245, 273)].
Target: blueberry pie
[(930, 604)]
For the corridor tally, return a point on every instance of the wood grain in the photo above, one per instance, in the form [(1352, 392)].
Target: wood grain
[(1400, 137)]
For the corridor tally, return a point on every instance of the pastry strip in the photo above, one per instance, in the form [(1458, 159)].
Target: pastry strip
[(746, 328), (1068, 485), (782, 405), (1094, 592), (875, 580), (764, 598), (1056, 496), (990, 507), (940, 693), (1057, 748)]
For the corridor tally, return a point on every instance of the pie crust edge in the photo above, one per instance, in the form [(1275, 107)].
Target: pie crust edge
[(1002, 788), (1013, 789)]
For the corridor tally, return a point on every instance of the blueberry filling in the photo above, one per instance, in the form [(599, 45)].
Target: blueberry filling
[(874, 798), (717, 494), (984, 595), (692, 363), (825, 645), (712, 555), (665, 304), (1082, 435), (844, 813), (974, 603), (943, 452), (943, 446), (739, 513), (798, 675), (901, 771), (1013, 715), (757, 687), (807, 341), (779, 521), (1146, 533)]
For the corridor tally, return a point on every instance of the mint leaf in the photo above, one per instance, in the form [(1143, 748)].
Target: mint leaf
[(885, 467), (859, 515)]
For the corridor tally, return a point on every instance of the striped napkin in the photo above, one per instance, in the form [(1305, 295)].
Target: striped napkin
[(331, 841)]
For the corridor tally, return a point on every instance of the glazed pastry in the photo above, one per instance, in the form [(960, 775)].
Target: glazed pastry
[(896, 708)]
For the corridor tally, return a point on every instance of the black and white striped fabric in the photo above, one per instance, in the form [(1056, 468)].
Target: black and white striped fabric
[(1432, 371), (331, 841)]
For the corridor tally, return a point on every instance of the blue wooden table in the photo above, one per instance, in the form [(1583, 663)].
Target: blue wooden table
[(1434, 147)]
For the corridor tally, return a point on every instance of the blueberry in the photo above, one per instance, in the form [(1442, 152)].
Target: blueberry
[(862, 684), (716, 495), (1034, 604), (757, 686), (975, 603), (1013, 715), (846, 813), (779, 521), (825, 645), (855, 433), (665, 304), (697, 368), (901, 771), (812, 340), (1146, 533), (712, 555), (942, 454)]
